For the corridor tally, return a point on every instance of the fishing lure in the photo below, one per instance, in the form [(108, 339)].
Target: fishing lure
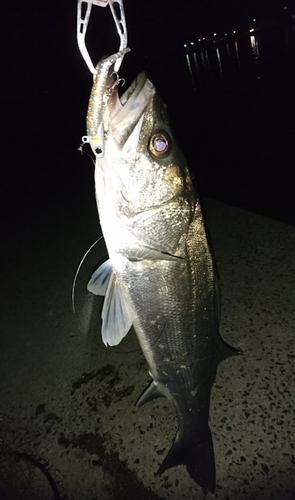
[(100, 94), (101, 89)]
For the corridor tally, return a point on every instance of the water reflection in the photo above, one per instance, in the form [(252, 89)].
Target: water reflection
[(215, 58), (207, 59), (218, 59), (202, 60), (195, 62), (189, 64), (237, 52), (234, 53), (255, 48)]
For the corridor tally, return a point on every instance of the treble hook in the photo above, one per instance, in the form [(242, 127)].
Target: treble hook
[(119, 81), (82, 25)]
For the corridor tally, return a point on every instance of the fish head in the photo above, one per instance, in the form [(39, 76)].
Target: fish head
[(141, 153)]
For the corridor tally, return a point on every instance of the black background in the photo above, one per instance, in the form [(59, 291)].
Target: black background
[(238, 135)]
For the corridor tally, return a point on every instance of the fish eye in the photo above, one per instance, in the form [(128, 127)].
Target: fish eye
[(159, 145)]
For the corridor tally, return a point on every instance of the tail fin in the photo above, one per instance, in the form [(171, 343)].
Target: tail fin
[(198, 458)]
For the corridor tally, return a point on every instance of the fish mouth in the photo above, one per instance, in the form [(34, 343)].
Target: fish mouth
[(125, 113)]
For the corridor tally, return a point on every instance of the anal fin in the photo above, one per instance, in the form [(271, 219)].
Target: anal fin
[(150, 393), (227, 351)]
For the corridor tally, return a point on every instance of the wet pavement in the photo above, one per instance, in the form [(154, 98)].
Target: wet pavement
[(70, 404)]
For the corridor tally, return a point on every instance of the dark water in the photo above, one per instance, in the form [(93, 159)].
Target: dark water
[(239, 132)]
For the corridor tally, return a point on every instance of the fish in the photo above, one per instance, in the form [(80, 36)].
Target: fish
[(160, 277)]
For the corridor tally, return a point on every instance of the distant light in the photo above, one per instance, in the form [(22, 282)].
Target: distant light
[(204, 38), (214, 34), (199, 39), (192, 43), (254, 20), (285, 8), (234, 32), (251, 30), (225, 34), (185, 45)]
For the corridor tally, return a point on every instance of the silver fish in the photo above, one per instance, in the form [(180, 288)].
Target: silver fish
[(160, 275)]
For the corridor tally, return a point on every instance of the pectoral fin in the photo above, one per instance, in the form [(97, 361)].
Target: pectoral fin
[(99, 281), (117, 317)]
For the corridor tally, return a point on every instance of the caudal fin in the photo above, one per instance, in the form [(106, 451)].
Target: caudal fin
[(198, 458)]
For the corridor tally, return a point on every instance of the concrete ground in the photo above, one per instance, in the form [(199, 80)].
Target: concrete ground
[(70, 404)]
